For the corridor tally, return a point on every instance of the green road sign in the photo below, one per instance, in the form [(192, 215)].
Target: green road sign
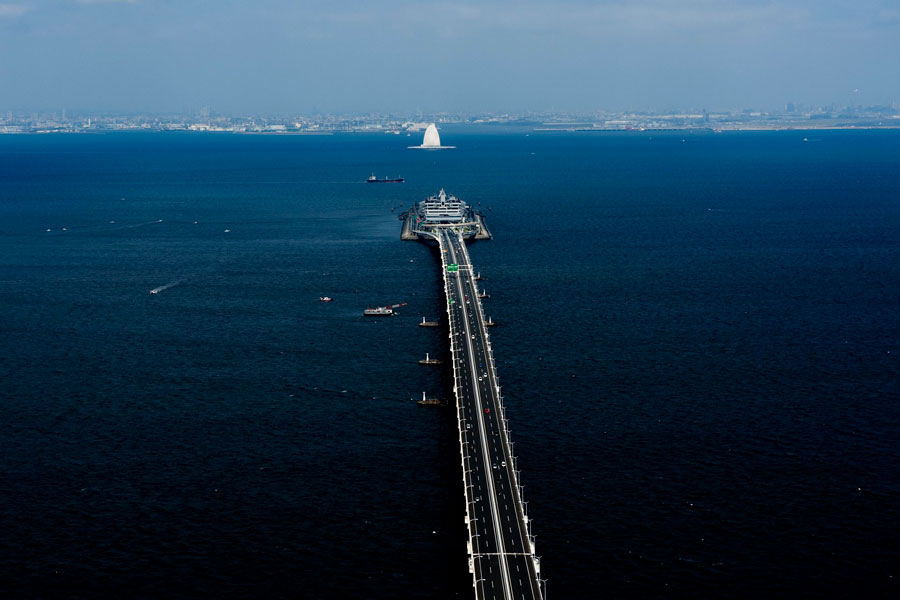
[(452, 268)]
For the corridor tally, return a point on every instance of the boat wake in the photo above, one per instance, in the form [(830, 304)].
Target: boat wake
[(136, 225), (167, 286)]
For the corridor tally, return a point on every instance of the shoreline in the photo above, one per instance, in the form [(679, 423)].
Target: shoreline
[(722, 129)]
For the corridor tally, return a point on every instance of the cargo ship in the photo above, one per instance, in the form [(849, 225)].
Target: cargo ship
[(373, 179)]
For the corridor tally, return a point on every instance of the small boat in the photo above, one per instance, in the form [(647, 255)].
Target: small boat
[(373, 179), (325, 299), (153, 292), (382, 311)]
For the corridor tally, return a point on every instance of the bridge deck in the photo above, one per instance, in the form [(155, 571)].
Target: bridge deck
[(501, 547)]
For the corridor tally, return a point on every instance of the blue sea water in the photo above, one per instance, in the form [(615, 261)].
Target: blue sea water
[(699, 344)]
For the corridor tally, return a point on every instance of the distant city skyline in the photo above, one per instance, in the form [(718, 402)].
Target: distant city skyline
[(793, 116), (277, 57)]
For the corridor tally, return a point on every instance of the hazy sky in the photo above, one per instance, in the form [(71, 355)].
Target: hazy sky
[(400, 55)]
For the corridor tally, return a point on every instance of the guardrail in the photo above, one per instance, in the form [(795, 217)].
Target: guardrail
[(507, 442), (459, 418)]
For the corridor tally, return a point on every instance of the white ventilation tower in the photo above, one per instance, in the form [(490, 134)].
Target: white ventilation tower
[(432, 140)]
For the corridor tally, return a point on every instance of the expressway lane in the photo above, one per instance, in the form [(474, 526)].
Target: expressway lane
[(501, 547)]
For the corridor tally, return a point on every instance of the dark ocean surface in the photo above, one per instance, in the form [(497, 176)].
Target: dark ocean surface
[(699, 345)]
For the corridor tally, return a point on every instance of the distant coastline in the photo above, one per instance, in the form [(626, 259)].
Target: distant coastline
[(722, 129), (792, 118), (629, 123), (596, 130)]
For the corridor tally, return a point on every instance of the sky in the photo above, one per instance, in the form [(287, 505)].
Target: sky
[(300, 57)]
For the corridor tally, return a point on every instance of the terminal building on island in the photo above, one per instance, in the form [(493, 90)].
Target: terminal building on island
[(443, 211)]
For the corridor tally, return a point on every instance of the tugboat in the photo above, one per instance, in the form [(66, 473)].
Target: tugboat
[(428, 401), (382, 311), (373, 179)]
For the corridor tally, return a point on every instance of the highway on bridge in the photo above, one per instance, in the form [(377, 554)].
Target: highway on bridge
[(501, 547)]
